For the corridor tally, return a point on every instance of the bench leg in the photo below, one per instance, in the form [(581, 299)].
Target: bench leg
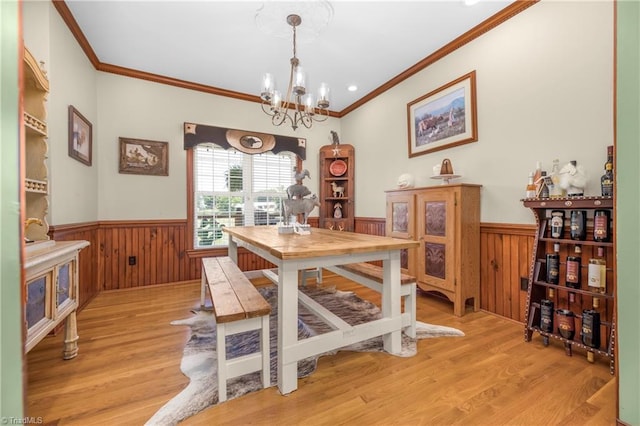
[(265, 349), (305, 273), (410, 307), (221, 349)]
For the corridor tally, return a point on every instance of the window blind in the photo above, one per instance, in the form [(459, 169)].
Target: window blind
[(236, 189)]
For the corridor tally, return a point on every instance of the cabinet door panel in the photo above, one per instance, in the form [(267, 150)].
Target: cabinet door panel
[(400, 210), (436, 216)]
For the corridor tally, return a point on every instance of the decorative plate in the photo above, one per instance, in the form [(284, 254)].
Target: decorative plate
[(337, 167)]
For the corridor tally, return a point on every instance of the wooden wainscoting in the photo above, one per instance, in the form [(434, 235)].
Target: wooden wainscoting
[(88, 258), (162, 256), (505, 256)]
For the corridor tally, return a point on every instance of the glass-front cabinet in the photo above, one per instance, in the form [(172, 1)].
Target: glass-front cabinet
[(52, 293)]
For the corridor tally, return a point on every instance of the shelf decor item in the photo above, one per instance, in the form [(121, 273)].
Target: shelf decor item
[(338, 168), (444, 117)]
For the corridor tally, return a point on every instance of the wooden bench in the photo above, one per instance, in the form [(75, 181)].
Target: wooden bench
[(370, 276), (238, 307)]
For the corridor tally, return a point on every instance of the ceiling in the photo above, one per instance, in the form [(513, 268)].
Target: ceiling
[(219, 44)]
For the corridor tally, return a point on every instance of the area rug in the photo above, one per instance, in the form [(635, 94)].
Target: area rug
[(199, 358)]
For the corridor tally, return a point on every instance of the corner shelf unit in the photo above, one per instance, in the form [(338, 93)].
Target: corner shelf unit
[(337, 163), (539, 288), (36, 184)]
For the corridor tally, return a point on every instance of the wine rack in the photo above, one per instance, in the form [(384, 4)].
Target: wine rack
[(563, 297)]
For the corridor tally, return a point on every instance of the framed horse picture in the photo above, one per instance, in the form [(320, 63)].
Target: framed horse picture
[(443, 118)]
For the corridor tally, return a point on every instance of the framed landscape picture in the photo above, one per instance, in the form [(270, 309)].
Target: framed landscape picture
[(80, 137), (143, 157), (443, 118)]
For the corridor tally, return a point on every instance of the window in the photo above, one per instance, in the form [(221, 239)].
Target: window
[(234, 189)]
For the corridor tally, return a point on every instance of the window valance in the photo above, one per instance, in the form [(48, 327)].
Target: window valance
[(245, 141)]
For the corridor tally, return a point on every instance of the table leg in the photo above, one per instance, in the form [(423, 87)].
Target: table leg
[(233, 250), (287, 327), (391, 301)]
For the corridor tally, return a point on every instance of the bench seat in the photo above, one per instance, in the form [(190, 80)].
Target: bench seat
[(237, 307), (371, 276)]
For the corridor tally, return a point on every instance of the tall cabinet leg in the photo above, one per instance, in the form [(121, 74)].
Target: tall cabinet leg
[(70, 337)]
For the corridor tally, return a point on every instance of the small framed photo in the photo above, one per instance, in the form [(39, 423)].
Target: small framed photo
[(443, 118), (143, 157), (80, 137)]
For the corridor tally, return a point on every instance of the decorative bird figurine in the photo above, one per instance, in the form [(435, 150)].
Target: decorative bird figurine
[(298, 176), (334, 138)]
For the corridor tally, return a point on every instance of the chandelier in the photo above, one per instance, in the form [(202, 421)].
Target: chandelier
[(297, 106)]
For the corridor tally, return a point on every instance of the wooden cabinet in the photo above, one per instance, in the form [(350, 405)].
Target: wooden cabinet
[(445, 220), (52, 288), (51, 267), (337, 190), (575, 300), (36, 185)]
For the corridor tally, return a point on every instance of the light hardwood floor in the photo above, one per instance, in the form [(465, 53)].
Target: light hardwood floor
[(129, 365)]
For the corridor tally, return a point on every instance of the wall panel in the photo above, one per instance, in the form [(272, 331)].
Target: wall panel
[(159, 247)]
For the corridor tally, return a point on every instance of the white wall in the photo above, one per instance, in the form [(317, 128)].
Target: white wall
[(139, 109), (73, 196), (544, 91)]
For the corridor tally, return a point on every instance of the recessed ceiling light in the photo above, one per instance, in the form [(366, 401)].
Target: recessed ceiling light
[(352, 88), (470, 2)]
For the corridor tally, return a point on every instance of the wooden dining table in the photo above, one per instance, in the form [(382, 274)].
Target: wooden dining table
[(292, 253)]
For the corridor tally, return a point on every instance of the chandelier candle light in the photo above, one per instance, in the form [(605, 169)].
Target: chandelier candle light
[(297, 98)]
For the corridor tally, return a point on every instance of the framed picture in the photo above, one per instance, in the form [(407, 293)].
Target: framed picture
[(80, 137), (443, 118), (142, 157)]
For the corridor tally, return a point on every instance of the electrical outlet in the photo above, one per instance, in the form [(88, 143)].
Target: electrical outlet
[(524, 283), (132, 260)]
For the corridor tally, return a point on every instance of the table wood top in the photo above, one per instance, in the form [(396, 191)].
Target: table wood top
[(321, 242)]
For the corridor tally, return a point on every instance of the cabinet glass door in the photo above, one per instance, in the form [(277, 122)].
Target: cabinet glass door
[(63, 287), (38, 307)]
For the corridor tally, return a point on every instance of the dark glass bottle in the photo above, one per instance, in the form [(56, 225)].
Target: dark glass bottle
[(601, 226), (590, 332), (546, 315), (606, 181), (566, 323), (578, 225), (574, 264), (557, 223), (553, 265), (574, 272)]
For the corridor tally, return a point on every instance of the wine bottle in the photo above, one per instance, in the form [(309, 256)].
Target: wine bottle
[(556, 191), (606, 181), (590, 332), (557, 224), (601, 226), (597, 273), (553, 265), (531, 187), (574, 267), (566, 323), (578, 224), (546, 315), (537, 174)]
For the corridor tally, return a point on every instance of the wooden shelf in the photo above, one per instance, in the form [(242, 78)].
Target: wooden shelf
[(328, 201), (539, 288)]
